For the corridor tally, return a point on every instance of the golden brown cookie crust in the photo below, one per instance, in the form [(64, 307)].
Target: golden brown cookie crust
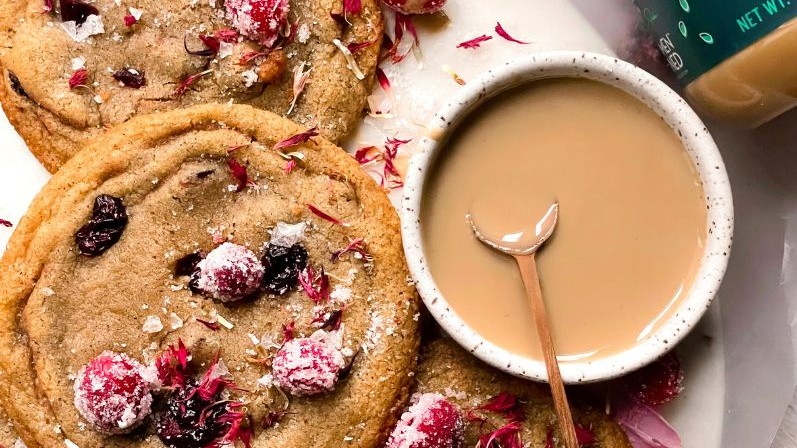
[(36, 342), (447, 369), (55, 120), (7, 436)]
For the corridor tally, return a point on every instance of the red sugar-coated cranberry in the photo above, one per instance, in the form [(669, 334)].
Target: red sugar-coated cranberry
[(112, 393), (416, 6), (658, 383), (308, 366), (259, 20), (230, 272), (431, 422)]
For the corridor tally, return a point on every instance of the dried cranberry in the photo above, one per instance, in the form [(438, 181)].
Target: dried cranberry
[(108, 220), (16, 86), (130, 77), (658, 383), (112, 394), (230, 272), (283, 265), (188, 421), (431, 422), (187, 264), (77, 11)]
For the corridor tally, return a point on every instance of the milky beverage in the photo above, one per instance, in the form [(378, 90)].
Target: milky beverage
[(632, 219)]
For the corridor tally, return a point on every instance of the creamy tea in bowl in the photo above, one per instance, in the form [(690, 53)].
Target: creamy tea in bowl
[(645, 224)]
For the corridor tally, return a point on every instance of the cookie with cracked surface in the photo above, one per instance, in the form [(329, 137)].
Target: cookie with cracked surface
[(7, 436), (174, 285), (70, 73), (454, 375)]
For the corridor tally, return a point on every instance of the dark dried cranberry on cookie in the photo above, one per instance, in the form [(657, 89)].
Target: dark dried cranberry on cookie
[(108, 220), (283, 265)]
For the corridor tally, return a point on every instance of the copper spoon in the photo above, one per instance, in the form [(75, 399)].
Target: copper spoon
[(524, 256)]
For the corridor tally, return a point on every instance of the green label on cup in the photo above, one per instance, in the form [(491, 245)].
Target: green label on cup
[(696, 35)]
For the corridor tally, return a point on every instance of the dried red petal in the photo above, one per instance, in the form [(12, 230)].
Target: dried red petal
[(290, 165), (584, 436), (476, 42), (227, 35), (354, 47), (502, 32), (297, 139), (214, 326), (79, 78), (211, 43), (658, 383), (354, 7), (288, 331), (315, 286), (300, 77), (239, 427), (403, 24), (77, 11), (363, 155), (416, 6), (355, 246), (251, 56), (239, 173), (130, 20), (384, 82), (172, 365), (48, 6), (5, 223), (213, 382), (130, 77), (506, 404), (189, 81), (325, 216), (507, 436)]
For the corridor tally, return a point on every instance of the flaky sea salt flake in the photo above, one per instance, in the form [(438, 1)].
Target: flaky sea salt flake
[(152, 324)]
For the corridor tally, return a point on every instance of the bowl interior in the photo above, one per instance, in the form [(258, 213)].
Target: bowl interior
[(697, 142)]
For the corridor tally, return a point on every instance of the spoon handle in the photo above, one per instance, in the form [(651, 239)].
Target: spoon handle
[(528, 270)]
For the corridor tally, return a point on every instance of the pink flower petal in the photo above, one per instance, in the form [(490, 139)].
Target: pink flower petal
[(502, 32), (646, 428)]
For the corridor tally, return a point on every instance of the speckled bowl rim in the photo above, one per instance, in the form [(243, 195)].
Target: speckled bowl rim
[(674, 111)]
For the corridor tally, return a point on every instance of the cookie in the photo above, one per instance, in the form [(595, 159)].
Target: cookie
[(457, 396), (69, 74), (186, 281), (7, 436)]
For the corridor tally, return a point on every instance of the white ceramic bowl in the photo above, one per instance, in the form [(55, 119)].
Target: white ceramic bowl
[(697, 142)]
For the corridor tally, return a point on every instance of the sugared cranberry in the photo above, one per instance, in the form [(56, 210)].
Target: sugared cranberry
[(230, 272), (112, 393), (188, 421), (416, 6), (431, 422), (308, 366), (658, 383), (259, 20), (283, 265)]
